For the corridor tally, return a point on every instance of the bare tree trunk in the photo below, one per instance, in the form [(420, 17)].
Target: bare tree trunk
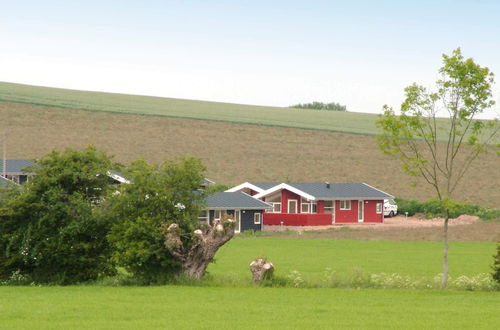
[(196, 256), (444, 280)]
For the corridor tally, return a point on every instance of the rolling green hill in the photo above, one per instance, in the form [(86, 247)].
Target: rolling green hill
[(335, 121)]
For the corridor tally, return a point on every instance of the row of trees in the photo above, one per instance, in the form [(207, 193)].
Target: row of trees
[(333, 106), (70, 224)]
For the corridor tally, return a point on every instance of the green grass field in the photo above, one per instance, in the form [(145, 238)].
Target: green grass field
[(178, 307), (312, 256), (241, 305), (146, 105)]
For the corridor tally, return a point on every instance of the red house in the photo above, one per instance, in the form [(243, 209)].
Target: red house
[(317, 204)]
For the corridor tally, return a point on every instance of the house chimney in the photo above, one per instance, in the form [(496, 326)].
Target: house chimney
[(327, 185)]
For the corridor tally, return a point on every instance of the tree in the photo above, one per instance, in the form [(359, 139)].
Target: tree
[(415, 136), (143, 210), (51, 230), (333, 106)]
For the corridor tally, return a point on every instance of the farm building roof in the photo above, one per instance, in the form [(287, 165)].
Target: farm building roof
[(17, 165), (234, 200)]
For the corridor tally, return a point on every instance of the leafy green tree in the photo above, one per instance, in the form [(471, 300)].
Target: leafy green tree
[(157, 195), (51, 231), (333, 106), (463, 92)]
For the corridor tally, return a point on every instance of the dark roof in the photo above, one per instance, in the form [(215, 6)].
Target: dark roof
[(16, 165), (335, 190), (340, 190), (234, 200), (265, 185)]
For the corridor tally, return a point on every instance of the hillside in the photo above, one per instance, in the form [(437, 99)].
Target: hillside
[(334, 121), (233, 153)]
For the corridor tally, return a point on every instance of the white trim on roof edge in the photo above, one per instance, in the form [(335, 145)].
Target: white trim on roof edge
[(287, 187), (245, 185), (366, 184)]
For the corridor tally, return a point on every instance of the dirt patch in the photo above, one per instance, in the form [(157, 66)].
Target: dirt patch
[(463, 228)]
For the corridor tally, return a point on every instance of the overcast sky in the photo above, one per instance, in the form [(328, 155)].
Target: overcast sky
[(358, 53)]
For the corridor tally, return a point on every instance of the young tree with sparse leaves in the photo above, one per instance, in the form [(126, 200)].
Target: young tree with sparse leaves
[(441, 151)]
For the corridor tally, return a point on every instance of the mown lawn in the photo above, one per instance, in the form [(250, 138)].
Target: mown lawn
[(178, 307), (312, 256)]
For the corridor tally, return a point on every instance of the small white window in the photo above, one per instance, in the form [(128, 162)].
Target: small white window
[(256, 218), (345, 205), (292, 206), (379, 208), (305, 208), (276, 207), (329, 207), (218, 214)]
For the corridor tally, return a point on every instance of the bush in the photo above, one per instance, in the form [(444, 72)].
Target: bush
[(496, 266), (52, 231), (157, 195)]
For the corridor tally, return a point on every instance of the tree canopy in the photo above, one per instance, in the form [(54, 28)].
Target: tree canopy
[(51, 231), (333, 106), (157, 195)]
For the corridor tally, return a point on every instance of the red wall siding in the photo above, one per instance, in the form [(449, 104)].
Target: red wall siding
[(371, 211), (285, 196), (321, 207), (342, 216), (297, 219)]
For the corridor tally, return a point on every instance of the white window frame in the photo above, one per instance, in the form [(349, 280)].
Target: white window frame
[(296, 205), (221, 214), (345, 204), (329, 207), (309, 207), (276, 207), (379, 208), (305, 207), (255, 216)]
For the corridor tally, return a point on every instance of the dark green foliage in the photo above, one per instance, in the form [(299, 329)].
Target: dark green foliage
[(496, 265), (157, 195), (434, 208), (321, 106), (52, 231)]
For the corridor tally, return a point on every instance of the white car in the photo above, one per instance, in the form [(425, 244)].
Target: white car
[(390, 208)]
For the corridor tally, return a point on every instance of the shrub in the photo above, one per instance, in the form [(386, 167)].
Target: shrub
[(157, 195), (496, 266), (52, 231)]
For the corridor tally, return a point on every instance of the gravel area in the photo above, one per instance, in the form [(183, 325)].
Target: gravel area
[(394, 222)]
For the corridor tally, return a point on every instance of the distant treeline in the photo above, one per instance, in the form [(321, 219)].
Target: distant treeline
[(321, 106)]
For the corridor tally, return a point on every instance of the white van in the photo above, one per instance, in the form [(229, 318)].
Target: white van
[(390, 208)]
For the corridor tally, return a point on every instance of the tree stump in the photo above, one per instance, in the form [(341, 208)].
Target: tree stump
[(261, 269)]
